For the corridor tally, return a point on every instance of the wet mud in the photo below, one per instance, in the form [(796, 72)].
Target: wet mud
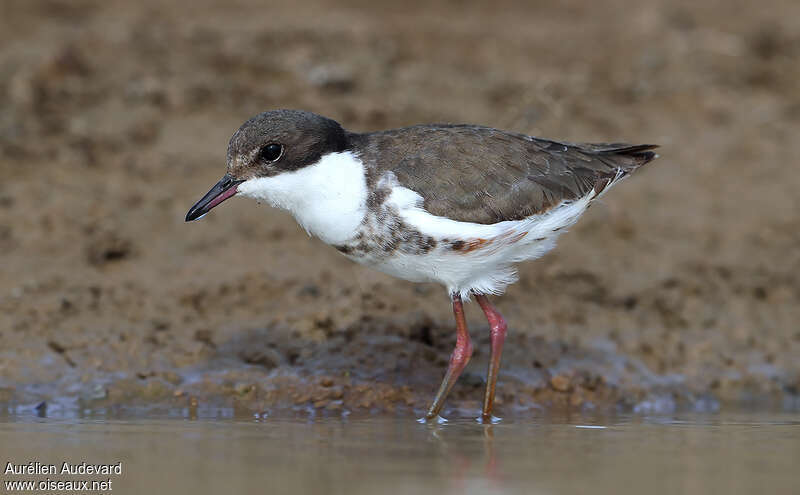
[(682, 289)]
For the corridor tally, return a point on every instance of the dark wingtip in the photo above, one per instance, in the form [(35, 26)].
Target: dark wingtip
[(639, 153), (636, 148)]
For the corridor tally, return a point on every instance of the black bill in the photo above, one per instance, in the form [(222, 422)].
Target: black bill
[(221, 191)]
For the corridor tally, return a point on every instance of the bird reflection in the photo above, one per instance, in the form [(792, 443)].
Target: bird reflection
[(471, 455)]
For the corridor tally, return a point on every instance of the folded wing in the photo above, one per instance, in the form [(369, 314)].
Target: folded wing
[(483, 175)]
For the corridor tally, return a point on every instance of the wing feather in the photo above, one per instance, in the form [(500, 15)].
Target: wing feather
[(483, 175)]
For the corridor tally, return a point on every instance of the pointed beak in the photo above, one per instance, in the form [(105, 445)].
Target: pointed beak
[(221, 191)]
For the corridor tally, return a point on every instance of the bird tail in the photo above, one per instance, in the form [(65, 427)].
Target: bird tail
[(627, 157), (624, 158)]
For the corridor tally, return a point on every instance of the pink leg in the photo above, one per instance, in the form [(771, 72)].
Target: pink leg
[(497, 326), (458, 359)]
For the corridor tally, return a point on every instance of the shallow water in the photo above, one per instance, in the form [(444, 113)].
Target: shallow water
[(743, 453)]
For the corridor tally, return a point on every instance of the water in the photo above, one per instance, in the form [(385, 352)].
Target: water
[(705, 454)]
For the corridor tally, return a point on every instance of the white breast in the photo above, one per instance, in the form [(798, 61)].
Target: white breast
[(328, 199)]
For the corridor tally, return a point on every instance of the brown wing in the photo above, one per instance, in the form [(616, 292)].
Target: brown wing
[(483, 175)]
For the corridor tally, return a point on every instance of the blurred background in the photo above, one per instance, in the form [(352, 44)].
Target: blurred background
[(681, 290)]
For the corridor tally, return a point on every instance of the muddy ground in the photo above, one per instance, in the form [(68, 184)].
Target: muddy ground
[(681, 290)]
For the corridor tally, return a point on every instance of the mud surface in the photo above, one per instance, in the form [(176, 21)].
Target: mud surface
[(681, 290)]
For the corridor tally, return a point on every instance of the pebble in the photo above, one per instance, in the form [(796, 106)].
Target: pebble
[(560, 383)]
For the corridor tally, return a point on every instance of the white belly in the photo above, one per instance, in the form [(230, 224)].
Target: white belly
[(470, 257), (483, 273)]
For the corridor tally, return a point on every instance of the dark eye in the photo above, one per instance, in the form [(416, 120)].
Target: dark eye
[(270, 152)]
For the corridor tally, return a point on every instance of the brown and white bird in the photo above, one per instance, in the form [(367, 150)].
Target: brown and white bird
[(460, 205)]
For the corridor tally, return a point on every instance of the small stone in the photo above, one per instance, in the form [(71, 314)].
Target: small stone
[(244, 388), (171, 377), (98, 392), (107, 248), (262, 356), (560, 383)]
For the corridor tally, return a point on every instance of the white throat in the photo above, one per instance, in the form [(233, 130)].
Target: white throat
[(328, 198)]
